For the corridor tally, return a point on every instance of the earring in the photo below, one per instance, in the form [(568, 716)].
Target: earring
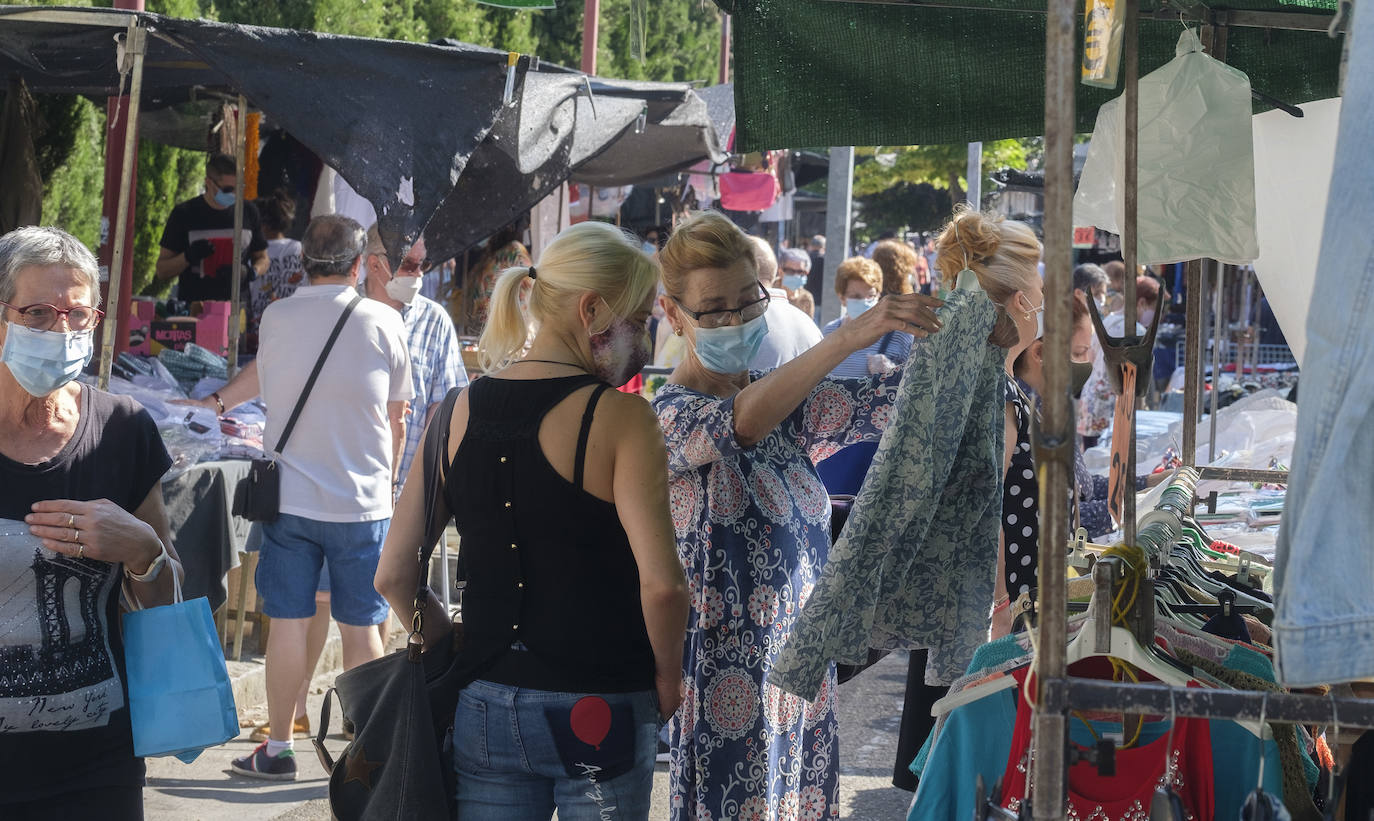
[(677, 331)]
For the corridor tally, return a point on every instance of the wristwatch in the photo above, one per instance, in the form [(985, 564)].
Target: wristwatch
[(153, 571)]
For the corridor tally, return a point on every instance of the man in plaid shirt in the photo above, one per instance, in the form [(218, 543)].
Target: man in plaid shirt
[(436, 361)]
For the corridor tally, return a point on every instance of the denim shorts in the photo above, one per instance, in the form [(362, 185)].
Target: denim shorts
[(522, 753), (293, 550)]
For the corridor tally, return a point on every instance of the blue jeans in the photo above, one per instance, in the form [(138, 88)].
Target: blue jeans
[(1324, 616), (521, 753)]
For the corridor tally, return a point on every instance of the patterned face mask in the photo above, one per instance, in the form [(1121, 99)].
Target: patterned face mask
[(620, 351)]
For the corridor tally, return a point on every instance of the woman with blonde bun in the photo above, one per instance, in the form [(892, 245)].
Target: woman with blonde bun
[(575, 605), (1004, 255)]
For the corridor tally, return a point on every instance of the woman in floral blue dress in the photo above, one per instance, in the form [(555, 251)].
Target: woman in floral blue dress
[(752, 524)]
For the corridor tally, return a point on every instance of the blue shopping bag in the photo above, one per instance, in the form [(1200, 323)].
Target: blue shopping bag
[(180, 701)]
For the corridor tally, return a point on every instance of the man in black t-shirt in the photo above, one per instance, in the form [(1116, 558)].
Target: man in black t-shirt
[(198, 240)]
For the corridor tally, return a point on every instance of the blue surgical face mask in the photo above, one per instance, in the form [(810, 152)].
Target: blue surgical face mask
[(793, 282), (43, 361), (224, 199), (732, 348), (854, 307)]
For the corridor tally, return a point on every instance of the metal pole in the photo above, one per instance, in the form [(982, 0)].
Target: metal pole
[(975, 175), (1055, 437), (1192, 360), (724, 48), (838, 205), (1217, 312), (236, 286), (1130, 243), (135, 44), (591, 23)]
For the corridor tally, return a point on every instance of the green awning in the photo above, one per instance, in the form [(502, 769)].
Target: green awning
[(822, 72)]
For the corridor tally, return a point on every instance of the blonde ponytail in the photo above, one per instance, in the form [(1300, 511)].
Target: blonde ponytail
[(590, 256), (506, 331)]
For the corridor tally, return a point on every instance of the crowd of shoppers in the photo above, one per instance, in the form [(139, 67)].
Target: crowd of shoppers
[(700, 521)]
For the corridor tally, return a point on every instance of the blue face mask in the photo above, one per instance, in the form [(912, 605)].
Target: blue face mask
[(732, 348), (854, 307), (224, 199), (793, 281), (43, 361)]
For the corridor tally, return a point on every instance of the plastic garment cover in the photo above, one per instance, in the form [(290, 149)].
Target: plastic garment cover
[(1197, 163)]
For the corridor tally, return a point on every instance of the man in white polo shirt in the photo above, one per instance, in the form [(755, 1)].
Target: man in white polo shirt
[(337, 467)]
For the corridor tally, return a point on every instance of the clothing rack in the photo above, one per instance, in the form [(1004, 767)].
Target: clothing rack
[(1057, 692)]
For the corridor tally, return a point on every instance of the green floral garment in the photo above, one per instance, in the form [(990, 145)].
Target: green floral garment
[(916, 563)]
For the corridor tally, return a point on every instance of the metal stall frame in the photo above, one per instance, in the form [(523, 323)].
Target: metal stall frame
[(1058, 692)]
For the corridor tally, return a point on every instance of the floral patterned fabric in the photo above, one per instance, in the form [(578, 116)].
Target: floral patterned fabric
[(916, 564), (753, 532)]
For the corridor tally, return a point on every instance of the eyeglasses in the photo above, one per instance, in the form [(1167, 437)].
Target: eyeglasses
[(722, 317), (41, 316), (795, 270), (223, 189), (410, 267)]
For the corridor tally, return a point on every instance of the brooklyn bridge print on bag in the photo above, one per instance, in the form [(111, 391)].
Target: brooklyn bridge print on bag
[(57, 671)]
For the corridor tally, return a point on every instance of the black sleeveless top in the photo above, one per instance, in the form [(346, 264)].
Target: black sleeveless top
[(552, 599), (1021, 501)]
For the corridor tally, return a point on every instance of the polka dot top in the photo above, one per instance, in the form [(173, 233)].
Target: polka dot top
[(1020, 501)]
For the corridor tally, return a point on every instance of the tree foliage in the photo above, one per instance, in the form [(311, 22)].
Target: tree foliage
[(881, 167), (682, 43), (906, 206)]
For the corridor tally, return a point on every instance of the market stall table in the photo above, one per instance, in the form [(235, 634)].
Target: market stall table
[(207, 535)]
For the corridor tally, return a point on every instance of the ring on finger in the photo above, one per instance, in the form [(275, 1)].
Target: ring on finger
[(71, 522), (80, 550), (76, 536)]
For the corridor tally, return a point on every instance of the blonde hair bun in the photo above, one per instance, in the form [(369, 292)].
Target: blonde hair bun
[(1003, 253)]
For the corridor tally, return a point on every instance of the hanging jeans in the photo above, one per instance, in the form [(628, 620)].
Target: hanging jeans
[(1324, 625)]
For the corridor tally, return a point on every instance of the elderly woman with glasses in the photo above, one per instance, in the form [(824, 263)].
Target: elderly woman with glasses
[(81, 517), (752, 522)]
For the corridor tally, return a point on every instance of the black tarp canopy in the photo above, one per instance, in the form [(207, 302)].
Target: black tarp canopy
[(568, 126), (410, 126), (398, 120)]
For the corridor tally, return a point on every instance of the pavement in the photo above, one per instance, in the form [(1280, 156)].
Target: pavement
[(869, 710)]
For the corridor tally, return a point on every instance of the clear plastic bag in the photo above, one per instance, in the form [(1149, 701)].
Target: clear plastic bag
[(1196, 188)]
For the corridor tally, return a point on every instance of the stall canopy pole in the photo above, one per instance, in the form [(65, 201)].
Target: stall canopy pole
[(1055, 436), (1192, 360), (1218, 329), (135, 45), (837, 209), (591, 26), (975, 175), (236, 286), (724, 50), (1130, 244)]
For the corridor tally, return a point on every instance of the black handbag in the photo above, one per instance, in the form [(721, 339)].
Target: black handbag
[(258, 496), (399, 764)]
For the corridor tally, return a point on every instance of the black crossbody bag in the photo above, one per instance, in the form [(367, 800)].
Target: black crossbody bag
[(258, 497)]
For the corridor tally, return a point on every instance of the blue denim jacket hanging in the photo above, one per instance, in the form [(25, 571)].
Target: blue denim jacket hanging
[(1324, 614), (916, 564)]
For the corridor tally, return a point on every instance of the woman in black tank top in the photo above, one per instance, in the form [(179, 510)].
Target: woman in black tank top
[(575, 607)]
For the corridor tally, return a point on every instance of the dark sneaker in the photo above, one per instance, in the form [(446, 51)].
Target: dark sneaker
[(259, 764)]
